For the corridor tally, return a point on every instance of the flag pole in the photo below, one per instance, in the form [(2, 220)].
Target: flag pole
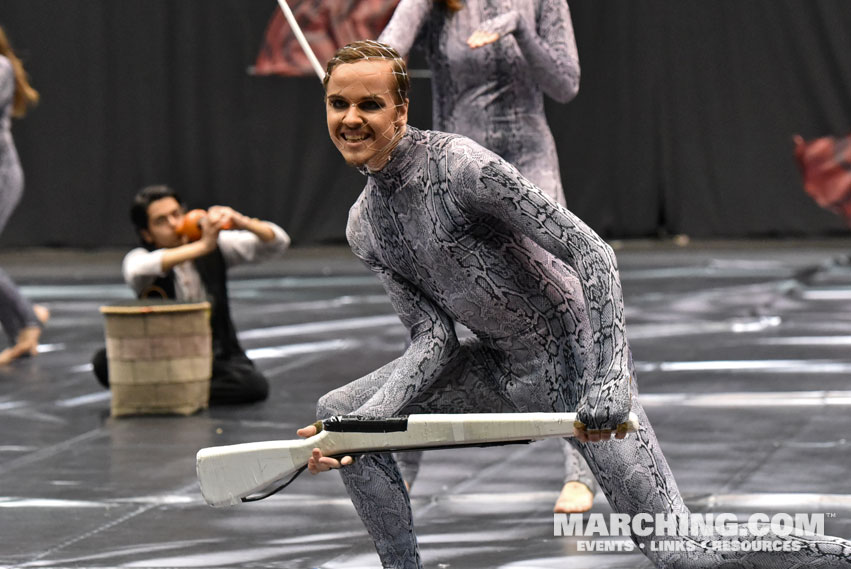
[(302, 41)]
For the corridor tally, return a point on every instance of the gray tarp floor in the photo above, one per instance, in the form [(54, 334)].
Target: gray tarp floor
[(742, 351)]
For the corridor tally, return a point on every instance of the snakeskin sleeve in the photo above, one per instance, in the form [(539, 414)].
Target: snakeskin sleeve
[(433, 339), (405, 25), (500, 193), (549, 46)]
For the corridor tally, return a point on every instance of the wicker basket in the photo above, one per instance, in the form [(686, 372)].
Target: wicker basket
[(160, 357)]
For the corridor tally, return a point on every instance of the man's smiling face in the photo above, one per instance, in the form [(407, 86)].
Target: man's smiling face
[(364, 117)]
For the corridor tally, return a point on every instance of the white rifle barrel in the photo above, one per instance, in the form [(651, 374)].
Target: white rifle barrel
[(227, 474)]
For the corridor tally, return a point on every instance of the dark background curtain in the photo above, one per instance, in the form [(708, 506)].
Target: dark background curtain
[(683, 123)]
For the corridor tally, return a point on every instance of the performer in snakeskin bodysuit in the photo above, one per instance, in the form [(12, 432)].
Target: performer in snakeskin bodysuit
[(22, 322), (491, 62), (495, 95), (456, 234)]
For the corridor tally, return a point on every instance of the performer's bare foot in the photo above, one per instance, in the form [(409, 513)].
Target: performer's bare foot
[(42, 313), (27, 344), (575, 498)]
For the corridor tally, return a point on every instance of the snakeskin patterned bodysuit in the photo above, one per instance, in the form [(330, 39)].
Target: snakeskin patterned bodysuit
[(495, 94), (16, 312), (457, 234), (11, 175)]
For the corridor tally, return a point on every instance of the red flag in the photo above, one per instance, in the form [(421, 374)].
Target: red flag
[(825, 165), (327, 25)]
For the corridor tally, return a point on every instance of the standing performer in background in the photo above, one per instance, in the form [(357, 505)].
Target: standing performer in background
[(169, 265), (495, 95), (22, 322), (491, 64), (456, 234)]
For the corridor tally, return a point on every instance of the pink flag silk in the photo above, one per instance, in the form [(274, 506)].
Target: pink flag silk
[(825, 165), (327, 25)]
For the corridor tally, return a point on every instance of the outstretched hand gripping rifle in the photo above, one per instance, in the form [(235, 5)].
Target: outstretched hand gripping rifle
[(236, 473)]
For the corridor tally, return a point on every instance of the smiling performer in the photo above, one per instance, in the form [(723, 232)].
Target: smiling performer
[(456, 234)]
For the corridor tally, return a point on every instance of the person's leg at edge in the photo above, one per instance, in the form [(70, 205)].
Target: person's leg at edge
[(21, 321)]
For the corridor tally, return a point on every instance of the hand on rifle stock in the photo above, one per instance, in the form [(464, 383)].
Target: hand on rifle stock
[(317, 462)]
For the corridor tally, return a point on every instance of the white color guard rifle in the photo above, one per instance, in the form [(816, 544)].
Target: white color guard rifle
[(232, 474)]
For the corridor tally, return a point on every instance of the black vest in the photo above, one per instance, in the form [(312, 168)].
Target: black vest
[(213, 273)]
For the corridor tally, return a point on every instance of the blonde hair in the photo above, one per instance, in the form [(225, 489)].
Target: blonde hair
[(25, 96), (370, 50)]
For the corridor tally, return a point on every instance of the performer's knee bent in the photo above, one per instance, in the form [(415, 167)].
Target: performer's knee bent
[(333, 403)]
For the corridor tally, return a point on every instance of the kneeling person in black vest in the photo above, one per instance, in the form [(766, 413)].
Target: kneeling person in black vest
[(169, 265)]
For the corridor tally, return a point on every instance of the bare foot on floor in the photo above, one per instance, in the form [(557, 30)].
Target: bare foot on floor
[(28, 341), (42, 313), (27, 344), (7, 355), (575, 498)]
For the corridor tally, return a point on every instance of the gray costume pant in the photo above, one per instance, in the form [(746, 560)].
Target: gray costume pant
[(16, 312)]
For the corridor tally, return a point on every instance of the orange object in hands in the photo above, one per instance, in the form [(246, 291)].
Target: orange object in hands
[(191, 224)]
